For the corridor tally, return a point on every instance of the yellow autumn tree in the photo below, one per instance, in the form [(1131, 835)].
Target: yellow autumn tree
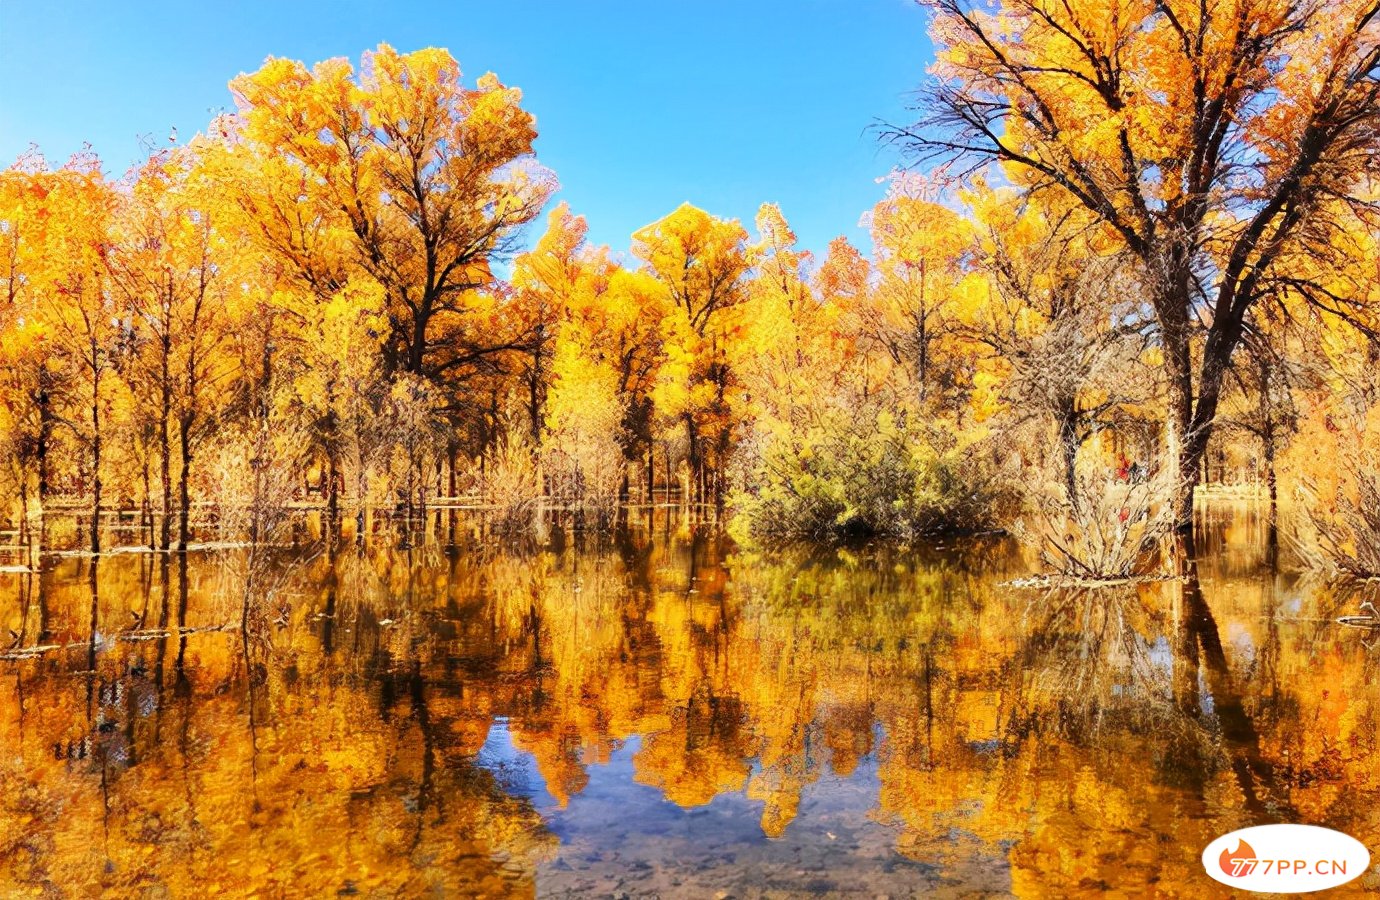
[(701, 262), (921, 262), (29, 360), (1212, 139), (180, 269), (421, 178)]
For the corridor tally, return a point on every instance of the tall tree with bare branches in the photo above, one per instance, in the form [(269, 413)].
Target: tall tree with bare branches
[(1218, 139)]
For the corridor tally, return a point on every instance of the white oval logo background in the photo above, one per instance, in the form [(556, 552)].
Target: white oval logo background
[(1285, 859)]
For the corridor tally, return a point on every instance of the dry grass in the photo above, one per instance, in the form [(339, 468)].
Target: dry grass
[(1341, 533), (1337, 483), (1111, 530), (512, 484)]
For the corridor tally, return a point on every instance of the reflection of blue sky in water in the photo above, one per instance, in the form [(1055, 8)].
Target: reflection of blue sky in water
[(1161, 654), (617, 832), (515, 770)]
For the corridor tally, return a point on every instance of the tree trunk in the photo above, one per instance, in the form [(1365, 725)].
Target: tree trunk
[(147, 510), (1271, 478), (651, 476), (96, 471), (1068, 444), (923, 361), (45, 434), (693, 461), (534, 392), (1183, 453), (165, 439), (183, 481), (24, 508), (417, 348), (421, 494), (1221, 343), (332, 466), (452, 455)]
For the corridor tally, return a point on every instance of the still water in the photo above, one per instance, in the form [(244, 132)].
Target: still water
[(665, 714)]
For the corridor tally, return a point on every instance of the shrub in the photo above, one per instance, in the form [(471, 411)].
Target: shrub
[(1338, 484), (859, 475), (512, 485), (1111, 529)]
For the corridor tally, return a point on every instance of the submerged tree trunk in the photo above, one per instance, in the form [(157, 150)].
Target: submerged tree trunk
[(361, 496)]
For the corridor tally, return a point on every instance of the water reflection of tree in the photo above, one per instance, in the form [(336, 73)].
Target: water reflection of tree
[(1201, 663), (1088, 663), (1075, 741), (1093, 674), (217, 781)]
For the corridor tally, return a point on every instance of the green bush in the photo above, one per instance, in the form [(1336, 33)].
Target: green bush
[(856, 476)]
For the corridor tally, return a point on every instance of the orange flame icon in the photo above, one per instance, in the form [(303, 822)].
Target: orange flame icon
[(1238, 862)]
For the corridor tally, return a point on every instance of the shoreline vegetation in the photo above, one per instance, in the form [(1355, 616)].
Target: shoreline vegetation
[(1075, 310)]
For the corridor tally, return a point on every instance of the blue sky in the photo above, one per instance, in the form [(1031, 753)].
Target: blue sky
[(640, 105)]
